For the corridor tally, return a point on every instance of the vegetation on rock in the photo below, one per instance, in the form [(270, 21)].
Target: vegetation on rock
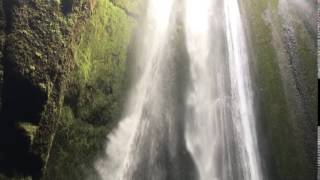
[(93, 97), (37, 61), (62, 79)]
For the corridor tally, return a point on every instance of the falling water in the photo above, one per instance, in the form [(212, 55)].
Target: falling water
[(207, 99), (143, 94), (242, 91), (210, 134), (220, 131)]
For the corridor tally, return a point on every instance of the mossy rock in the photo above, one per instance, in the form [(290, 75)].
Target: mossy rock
[(94, 94), (37, 60), (28, 129)]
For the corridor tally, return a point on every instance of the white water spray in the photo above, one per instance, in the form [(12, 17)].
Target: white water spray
[(242, 91), (123, 139), (218, 118), (213, 137)]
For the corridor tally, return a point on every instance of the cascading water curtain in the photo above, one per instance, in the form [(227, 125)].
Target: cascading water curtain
[(220, 127), (124, 145), (218, 139), (242, 92)]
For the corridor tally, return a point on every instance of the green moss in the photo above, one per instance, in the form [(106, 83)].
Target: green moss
[(75, 146), (130, 5), (39, 56), (15, 178), (30, 129), (93, 101), (100, 61)]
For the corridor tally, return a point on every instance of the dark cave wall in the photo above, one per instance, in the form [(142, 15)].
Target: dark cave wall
[(2, 37), (37, 60)]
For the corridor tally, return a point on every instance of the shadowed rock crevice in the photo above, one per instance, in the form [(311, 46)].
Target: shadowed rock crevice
[(23, 105), (66, 6), (24, 102)]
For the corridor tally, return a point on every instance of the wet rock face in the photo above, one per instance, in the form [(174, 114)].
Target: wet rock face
[(284, 61), (36, 61)]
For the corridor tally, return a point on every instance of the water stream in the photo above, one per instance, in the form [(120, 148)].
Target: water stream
[(208, 135)]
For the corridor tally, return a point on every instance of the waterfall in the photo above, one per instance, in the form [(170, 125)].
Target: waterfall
[(207, 99), (220, 129), (242, 92), (144, 99), (210, 134)]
